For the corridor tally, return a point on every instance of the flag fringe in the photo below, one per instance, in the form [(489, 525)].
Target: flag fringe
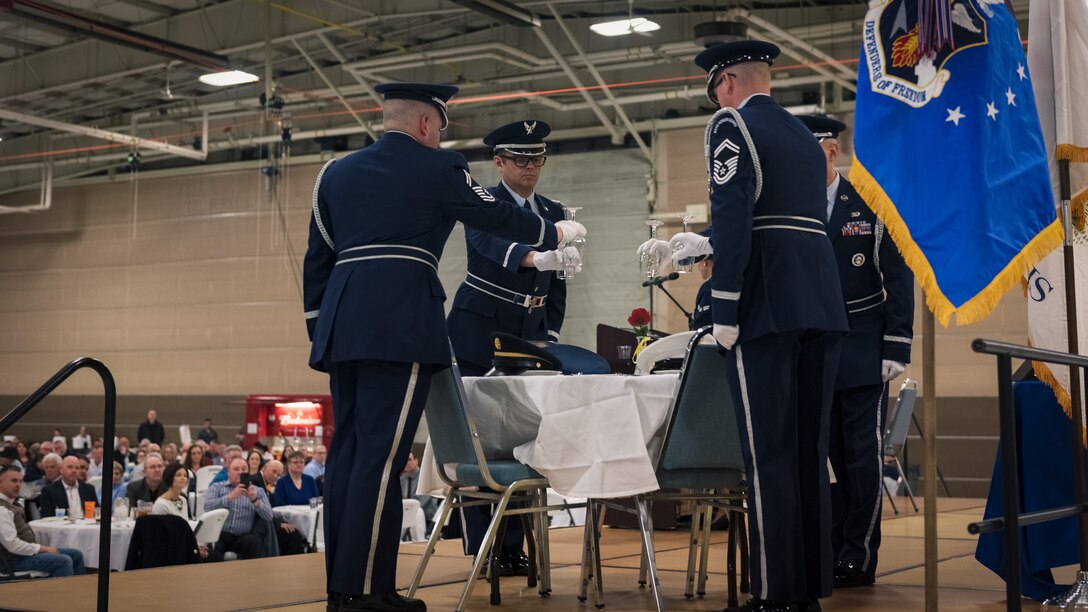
[(1072, 153), (1043, 373), (982, 304), (1076, 208)]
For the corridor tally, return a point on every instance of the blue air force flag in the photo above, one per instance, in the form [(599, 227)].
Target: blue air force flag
[(948, 152)]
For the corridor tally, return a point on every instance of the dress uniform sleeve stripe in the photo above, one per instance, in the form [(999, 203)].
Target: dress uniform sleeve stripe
[(312, 314), (506, 259), (725, 295), (903, 339), (317, 210)]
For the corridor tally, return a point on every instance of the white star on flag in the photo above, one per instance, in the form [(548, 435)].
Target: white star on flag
[(954, 115), (1010, 96), (992, 111), (1020, 71)]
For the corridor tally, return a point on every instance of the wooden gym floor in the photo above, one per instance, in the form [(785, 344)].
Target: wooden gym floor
[(297, 584)]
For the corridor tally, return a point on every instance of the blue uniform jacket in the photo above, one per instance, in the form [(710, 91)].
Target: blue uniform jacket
[(482, 304), (774, 270), (878, 289), (701, 315), (381, 219)]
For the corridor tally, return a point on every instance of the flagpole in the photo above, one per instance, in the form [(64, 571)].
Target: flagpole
[(929, 425), (1076, 598)]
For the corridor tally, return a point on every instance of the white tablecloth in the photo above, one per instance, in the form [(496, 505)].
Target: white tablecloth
[(304, 518), (413, 520), (592, 436), (82, 535)]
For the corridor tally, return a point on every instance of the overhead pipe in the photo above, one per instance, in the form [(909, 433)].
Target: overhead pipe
[(46, 199), (135, 141)]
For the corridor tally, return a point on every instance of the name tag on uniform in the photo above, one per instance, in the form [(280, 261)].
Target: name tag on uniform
[(857, 228)]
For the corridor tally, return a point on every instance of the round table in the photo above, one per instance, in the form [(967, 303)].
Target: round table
[(82, 535), (304, 518)]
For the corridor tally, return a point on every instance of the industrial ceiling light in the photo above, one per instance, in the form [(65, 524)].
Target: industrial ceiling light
[(227, 78), (636, 25)]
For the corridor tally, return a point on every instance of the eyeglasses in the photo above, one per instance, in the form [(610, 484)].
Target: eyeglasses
[(522, 162)]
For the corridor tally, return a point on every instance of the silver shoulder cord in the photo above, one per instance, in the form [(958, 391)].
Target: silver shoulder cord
[(747, 140), (317, 211)]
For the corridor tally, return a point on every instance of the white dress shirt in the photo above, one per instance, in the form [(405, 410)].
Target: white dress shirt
[(9, 538), (75, 504), (832, 190), (521, 201)]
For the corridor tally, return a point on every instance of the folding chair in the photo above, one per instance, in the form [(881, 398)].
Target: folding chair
[(700, 453), (895, 436), (455, 440)]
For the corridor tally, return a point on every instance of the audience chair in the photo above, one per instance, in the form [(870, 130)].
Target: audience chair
[(95, 482), (895, 436), (205, 475), (700, 460), (455, 440), (210, 525)]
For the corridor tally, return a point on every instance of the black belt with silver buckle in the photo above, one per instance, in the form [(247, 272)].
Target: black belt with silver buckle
[(504, 294)]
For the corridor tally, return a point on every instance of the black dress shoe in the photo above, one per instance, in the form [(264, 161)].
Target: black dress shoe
[(517, 564), (756, 604), (332, 604), (386, 602), (847, 575), (809, 606)]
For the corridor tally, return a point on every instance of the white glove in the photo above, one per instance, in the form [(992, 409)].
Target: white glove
[(726, 335), (689, 245), (572, 230), (653, 246), (891, 369), (566, 257)]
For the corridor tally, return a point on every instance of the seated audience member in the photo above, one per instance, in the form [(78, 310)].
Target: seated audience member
[(269, 476), (295, 488), (84, 467), (409, 478), (10, 456), (254, 461), (120, 487), (60, 447), (174, 499), (97, 462), (25, 455), (136, 468), (151, 486), (193, 461), (169, 453), (50, 467), (68, 492), (205, 448), (122, 453), (17, 542), (230, 453), (247, 504), (141, 463), (316, 467)]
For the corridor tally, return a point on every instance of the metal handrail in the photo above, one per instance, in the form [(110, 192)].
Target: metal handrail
[(110, 426), (1011, 519)]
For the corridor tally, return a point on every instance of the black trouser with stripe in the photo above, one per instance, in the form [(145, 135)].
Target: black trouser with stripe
[(376, 406), (856, 453), (782, 386), (475, 519)]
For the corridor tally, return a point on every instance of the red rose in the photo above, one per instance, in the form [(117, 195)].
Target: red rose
[(639, 317)]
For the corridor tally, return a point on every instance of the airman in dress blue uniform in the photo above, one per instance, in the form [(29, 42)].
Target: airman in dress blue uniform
[(878, 289), (511, 288), (778, 314), (374, 312), (701, 315)]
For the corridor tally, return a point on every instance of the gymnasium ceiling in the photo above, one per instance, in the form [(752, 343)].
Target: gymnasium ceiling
[(130, 67)]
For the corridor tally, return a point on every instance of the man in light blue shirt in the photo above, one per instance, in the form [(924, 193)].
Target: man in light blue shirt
[(316, 467), (246, 504)]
